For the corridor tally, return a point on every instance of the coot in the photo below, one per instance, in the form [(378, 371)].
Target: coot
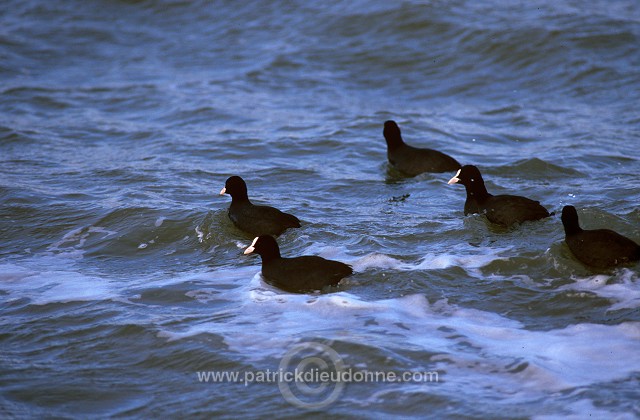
[(504, 210), (255, 220), (299, 274), (600, 248), (412, 161)]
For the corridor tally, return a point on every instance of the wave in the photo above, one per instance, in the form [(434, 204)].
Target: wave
[(465, 342)]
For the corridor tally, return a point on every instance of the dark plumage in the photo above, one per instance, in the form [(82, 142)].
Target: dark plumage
[(601, 248), (255, 220), (412, 161), (299, 274), (504, 210)]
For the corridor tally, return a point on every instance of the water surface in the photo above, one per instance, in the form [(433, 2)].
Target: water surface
[(122, 277)]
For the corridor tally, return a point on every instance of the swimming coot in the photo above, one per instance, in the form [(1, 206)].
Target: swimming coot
[(504, 210), (299, 274), (255, 220), (600, 248), (412, 161)]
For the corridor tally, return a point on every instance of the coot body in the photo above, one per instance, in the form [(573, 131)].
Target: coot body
[(600, 248), (298, 274), (503, 210), (411, 160), (252, 219)]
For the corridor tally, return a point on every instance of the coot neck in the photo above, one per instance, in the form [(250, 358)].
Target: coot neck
[(268, 255), (394, 141), (571, 227), (240, 198), (477, 190)]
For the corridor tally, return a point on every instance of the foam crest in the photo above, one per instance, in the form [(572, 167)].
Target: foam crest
[(441, 261), (72, 243), (499, 353), (623, 289), (376, 260), (43, 287), (429, 262), (325, 251)]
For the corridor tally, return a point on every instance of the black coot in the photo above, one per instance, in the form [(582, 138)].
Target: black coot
[(299, 274), (412, 161), (601, 248), (504, 210), (255, 220)]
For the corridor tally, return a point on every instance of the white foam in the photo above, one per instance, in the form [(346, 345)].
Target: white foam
[(72, 243), (200, 234), (376, 260), (328, 252), (477, 350), (35, 281), (623, 288), (43, 287), (429, 262), (441, 261)]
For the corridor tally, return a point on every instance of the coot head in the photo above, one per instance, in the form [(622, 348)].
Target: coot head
[(235, 187), (392, 135), (468, 175), (570, 220), (265, 246)]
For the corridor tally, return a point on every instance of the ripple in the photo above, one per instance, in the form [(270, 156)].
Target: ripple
[(121, 274)]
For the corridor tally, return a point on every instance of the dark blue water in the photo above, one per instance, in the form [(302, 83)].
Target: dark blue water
[(122, 279)]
